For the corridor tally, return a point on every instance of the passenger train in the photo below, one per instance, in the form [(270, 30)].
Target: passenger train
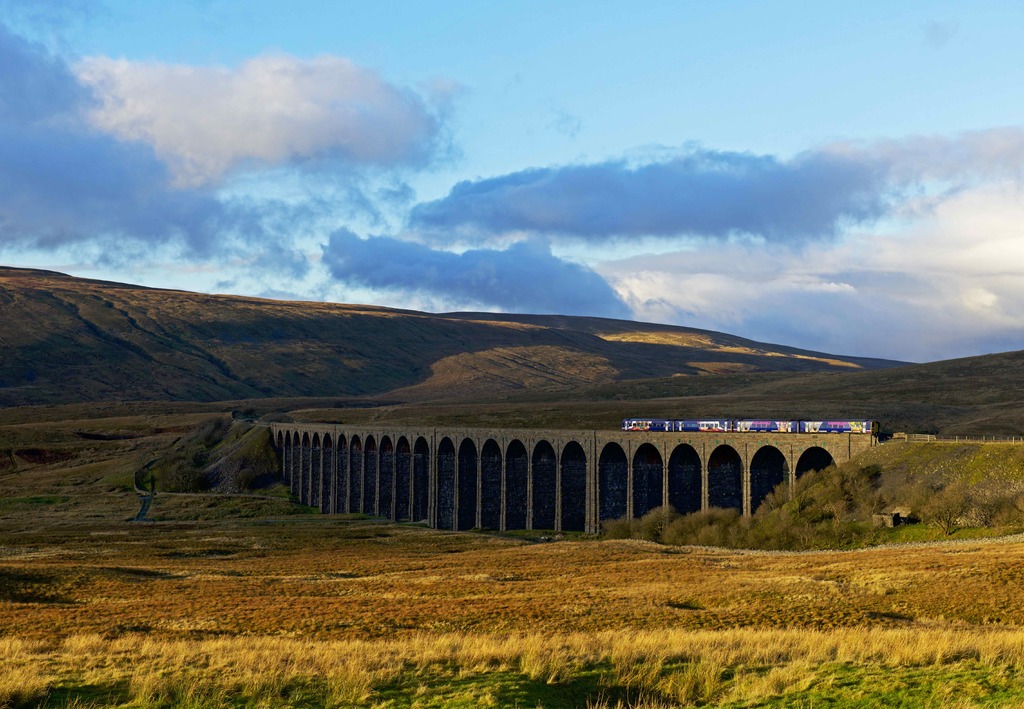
[(748, 426)]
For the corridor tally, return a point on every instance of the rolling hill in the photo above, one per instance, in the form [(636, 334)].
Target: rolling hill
[(67, 339)]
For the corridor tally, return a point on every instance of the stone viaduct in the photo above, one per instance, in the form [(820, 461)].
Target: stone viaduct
[(465, 478)]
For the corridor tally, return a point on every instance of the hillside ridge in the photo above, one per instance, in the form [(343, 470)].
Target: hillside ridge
[(69, 339)]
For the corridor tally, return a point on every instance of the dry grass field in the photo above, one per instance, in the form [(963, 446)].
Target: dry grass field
[(308, 611), (253, 601)]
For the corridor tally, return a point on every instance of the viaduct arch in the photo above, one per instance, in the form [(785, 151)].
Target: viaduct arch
[(466, 478)]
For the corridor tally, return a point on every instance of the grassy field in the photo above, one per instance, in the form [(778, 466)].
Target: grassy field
[(311, 611), (235, 600)]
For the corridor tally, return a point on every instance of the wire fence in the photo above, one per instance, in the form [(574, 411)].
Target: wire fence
[(919, 437)]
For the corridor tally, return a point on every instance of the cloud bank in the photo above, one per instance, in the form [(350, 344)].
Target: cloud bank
[(713, 194), (525, 278), (698, 193), (118, 157), (276, 109), (950, 284)]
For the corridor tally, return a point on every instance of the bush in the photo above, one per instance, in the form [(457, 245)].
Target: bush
[(947, 508), (182, 476), (652, 526), (621, 528), (712, 527)]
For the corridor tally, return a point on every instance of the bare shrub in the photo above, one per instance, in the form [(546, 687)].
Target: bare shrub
[(711, 527), (947, 507), (652, 526), (621, 528)]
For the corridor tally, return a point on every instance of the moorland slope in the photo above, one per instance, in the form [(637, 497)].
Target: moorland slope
[(67, 340)]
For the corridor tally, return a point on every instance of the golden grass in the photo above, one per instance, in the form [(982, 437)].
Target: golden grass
[(667, 337), (326, 578), (319, 611), (342, 613), (682, 667), (502, 369), (717, 342)]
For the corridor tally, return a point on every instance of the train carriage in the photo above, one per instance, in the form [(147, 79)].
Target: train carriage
[(838, 427), (760, 426), (677, 425), (748, 426)]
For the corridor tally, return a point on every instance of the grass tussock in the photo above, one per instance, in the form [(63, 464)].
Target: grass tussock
[(628, 669)]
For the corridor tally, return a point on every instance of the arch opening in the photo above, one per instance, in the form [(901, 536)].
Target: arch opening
[(684, 479), (355, 475), (446, 484), (327, 476), (648, 478), (725, 478), (403, 479), (490, 485), (574, 487), (467, 473), (282, 454), (295, 459), (768, 470), (341, 477), (612, 482), (814, 458), (306, 470), (421, 480), (386, 479), (316, 471), (517, 466), (370, 476), (544, 474)]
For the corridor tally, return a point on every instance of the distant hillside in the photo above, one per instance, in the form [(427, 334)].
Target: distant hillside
[(974, 396), (67, 339)]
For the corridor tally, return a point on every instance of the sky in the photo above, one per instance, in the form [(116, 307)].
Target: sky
[(843, 177)]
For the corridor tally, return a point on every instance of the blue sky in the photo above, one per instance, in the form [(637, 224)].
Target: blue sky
[(844, 177)]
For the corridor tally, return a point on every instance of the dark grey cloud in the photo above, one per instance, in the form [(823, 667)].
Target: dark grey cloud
[(34, 86), (61, 183), (60, 186), (702, 192), (525, 278)]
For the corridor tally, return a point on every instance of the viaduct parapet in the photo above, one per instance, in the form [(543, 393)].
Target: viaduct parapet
[(466, 478)]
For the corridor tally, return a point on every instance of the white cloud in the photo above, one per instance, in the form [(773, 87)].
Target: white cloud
[(948, 285), (989, 154), (274, 109)]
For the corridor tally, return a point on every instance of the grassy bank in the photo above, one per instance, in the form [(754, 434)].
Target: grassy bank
[(945, 490)]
